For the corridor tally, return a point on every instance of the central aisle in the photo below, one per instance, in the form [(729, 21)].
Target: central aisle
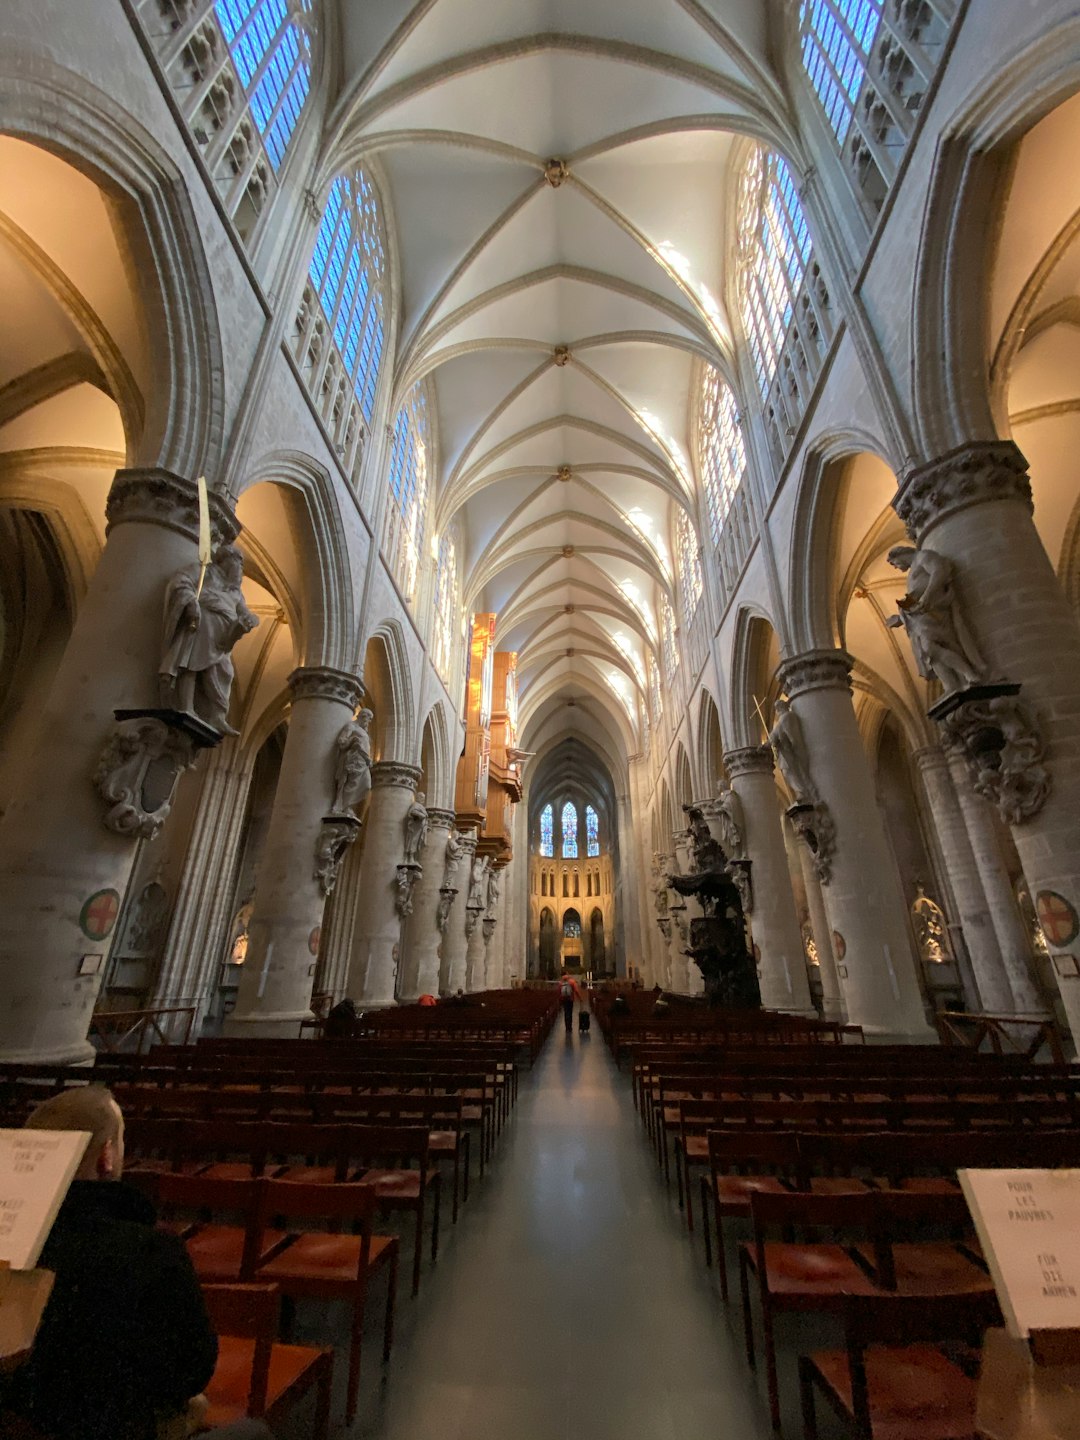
[(567, 1304)]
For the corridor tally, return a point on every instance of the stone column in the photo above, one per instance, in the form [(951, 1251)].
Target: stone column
[(774, 922), (453, 971), (832, 994), (62, 873), (991, 980), (422, 933), (862, 893), (376, 941), (475, 960), (277, 978), (1013, 941), (974, 507)]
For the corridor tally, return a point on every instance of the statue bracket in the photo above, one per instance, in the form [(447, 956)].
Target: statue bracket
[(145, 754), (336, 833), (816, 828), (1003, 748), (407, 874)]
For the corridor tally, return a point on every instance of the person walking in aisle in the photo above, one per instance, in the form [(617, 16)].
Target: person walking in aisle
[(568, 993)]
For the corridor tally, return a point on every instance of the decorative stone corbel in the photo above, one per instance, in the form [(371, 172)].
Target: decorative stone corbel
[(137, 773), (739, 870), (336, 834), (814, 825), (1004, 752), (663, 924), (488, 924), (472, 915)]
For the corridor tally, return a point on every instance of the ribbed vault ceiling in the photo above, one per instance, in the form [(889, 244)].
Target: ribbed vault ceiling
[(559, 312)]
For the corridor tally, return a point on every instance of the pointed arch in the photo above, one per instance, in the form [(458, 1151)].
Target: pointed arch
[(388, 680)]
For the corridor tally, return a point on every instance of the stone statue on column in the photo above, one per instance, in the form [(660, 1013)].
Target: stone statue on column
[(454, 851), (789, 746), (492, 889), (930, 612), (200, 628), (352, 764), (660, 888), (476, 883), (416, 829), (727, 812)]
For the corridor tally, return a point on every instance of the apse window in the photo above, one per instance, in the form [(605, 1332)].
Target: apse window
[(569, 831)]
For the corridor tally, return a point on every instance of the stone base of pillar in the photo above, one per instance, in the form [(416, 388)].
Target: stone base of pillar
[(83, 1054)]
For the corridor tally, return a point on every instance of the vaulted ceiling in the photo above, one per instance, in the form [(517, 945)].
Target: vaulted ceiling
[(558, 172)]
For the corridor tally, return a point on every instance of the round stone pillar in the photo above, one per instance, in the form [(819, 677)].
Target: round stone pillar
[(995, 995), (862, 894), (832, 995), (62, 872), (1014, 943), (286, 918), (774, 921), (475, 950), (376, 941), (974, 507), (422, 933), (453, 970)]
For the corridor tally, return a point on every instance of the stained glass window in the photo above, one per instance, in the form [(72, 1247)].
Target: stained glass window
[(837, 36), (547, 839), (592, 831), (722, 452), (347, 271), (447, 605), (406, 514), (271, 50), (668, 641), (569, 831), (656, 694), (688, 555), (774, 251)]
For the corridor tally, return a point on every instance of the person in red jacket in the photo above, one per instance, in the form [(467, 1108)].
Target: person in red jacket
[(568, 993)]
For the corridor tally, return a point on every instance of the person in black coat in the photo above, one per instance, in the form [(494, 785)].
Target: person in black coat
[(125, 1341)]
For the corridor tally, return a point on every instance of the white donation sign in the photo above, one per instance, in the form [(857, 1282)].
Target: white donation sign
[(36, 1168), (1028, 1222)]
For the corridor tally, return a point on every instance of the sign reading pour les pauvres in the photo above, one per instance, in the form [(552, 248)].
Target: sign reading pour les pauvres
[(36, 1168), (1028, 1222)]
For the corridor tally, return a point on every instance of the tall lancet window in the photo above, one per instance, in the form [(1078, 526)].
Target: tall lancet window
[(339, 335), (782, 297), (241, 73), (569, 831), (406, 512), (688, 556), (837, 36), (547, 831), (592, 831), (722, 451), (669, 641), (447, 604)]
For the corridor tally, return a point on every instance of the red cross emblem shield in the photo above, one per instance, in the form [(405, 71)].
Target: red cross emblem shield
[(98, 915), (1057, 917)]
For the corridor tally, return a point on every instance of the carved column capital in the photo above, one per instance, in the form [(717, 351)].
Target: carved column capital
[(158, 497), (816, 670), (322, 682), (394, 774), (749, 760), (982, 472), (440, 819)]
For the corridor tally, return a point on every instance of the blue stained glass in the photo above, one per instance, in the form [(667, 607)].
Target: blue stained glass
[(271, 57), (592, 831), (838, 79), (547, 841), (569, 831)]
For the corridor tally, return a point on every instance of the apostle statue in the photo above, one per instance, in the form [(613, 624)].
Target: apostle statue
[(476, 882), (930, 612), (789, 747), (199, 631), (492, 889), (730, 823), (352, 764), (454, 851), (416, 828)]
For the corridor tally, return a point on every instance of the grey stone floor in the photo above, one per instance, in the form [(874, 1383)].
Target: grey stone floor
[(567, 1303)]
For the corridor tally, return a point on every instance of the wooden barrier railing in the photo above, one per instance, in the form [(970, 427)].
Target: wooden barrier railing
[(129, 1031), (1004, 1034)]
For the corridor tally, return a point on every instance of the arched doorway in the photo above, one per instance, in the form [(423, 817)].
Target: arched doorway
[(597, 954), (571, 940), (548, 944)]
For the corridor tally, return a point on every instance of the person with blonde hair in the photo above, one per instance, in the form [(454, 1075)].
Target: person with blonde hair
[(125, 1344)]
